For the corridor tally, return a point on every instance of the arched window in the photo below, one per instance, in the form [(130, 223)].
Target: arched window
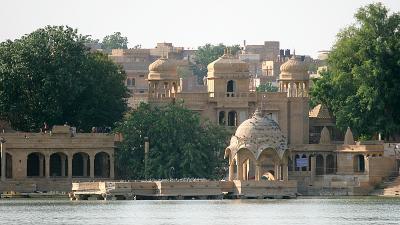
[(232, 118), (35, 165), (319, 164), (230, 88), (80, 165), (58, 165), (102, 165), (133, 82), (221, 118), (128, 82), (330, 164)]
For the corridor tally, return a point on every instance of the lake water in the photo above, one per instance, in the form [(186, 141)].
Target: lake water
[(365, 210)]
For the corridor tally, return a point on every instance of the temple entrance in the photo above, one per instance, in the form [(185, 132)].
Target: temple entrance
[(80, 165), (35, 165), (102, 165), (58, 165)]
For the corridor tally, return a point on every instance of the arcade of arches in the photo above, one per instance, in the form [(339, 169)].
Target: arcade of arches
[(267, 166), (57, 156)]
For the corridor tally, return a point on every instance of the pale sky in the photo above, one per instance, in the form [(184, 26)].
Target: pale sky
[(305, 25)]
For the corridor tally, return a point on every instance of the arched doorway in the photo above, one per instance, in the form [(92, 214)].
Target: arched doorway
[(232, 118), (270, 165), (319, 165), (35, 165), (359, 163), (58, 165), (102, 165), (330, 164), (80, 165), (245, 165)]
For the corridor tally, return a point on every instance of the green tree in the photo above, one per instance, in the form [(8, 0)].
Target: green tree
[(49, 75), (114, 41), (179, 139), (361, 87), (267, 87), (207, 54)]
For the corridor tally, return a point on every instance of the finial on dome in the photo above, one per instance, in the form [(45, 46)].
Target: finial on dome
[(348, 138)]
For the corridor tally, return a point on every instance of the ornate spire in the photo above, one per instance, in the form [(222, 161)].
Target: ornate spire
[(325, 136), (348, 138)]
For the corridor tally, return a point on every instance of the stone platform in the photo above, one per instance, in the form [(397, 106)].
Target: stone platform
[(164, 190)]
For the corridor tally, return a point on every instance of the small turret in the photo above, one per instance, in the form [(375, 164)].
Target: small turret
[(348, 138)]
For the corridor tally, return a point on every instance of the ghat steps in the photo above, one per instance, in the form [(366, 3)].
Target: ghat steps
[(390, 187)]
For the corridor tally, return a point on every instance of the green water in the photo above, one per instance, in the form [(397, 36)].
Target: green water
[(362, 210)]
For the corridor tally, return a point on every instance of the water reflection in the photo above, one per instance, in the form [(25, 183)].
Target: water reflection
[(365, 210)]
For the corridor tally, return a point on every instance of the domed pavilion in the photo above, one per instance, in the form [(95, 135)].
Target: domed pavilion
[(294, 77), (259, 150), (163, 78)]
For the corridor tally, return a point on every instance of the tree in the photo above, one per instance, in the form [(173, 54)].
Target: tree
[(179, 139), (50, 76), (114, 41), (267, 87), (207, 54), (361, 84)]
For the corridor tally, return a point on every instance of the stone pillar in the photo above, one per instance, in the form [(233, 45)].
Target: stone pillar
[(313, 165), (276, 172), (112, 166), (258, 171), (245, 171), (366, 164), (47, 161), (91, 158), (62, 165), (279, 172), (3, 161), (85, 161), (41, 164), (231, 170), (239, 170), (69, 159), (285, 173)]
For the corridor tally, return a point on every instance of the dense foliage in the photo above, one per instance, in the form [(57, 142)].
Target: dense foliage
[(50, 76), (209, 53), (267, 87), (361, 86), (181, 145), (114, 41)]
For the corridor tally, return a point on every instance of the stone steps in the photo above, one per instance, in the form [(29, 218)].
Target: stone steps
[(390, 187)]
